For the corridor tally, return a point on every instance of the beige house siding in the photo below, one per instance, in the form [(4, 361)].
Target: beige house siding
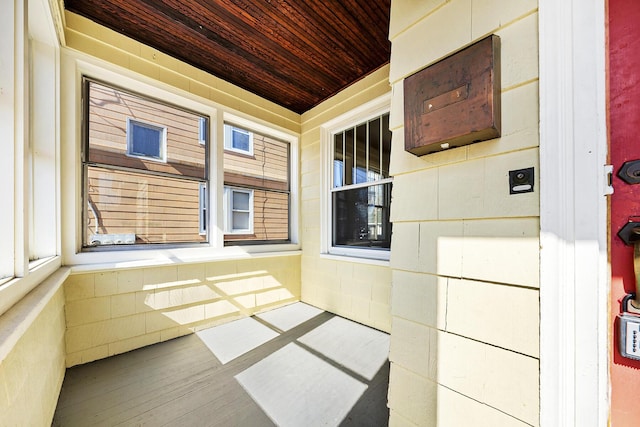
[(341, 285), (267, 172), (464, 254), (115, 311)]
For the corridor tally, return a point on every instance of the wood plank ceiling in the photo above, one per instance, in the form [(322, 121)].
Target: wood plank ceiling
[(295, 53)]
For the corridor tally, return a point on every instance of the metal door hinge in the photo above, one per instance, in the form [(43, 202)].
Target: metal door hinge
[(608, 180)]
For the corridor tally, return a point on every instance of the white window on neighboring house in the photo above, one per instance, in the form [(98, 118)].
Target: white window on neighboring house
[(202, 130), (358, 186), (204, 207), (146, 140), (238, 139), (238, 205)]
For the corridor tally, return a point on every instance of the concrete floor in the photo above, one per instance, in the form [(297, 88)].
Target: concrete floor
[(292, 366)]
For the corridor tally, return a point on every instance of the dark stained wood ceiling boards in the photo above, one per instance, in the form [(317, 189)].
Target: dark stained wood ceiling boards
[(295, 53)]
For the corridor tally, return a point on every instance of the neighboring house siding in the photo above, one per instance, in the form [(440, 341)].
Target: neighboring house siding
[(343, 285), (109, 110), (267, 172), (157, 209), (464, 252)]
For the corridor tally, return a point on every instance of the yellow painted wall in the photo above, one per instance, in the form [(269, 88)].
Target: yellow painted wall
[(114, 311), (32, 359), (341, 285), (464, 254)]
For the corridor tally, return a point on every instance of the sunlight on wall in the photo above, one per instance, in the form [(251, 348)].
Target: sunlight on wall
[(112, 312)]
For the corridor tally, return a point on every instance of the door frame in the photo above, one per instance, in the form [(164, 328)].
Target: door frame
[(574, 282)]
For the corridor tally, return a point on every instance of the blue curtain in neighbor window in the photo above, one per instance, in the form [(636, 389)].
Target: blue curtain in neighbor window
[(240, 140), (146, 141)]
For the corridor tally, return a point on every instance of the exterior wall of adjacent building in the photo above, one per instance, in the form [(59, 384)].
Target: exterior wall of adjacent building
[(464, 254), (350, 287)]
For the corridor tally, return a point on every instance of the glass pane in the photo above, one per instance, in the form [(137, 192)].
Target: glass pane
[(386, 146), (266, 174), (338, 160), (361, 217), (348, 156), (241, 220), (131, 207), (120, 124), (240, 201), (374, 150), (146, 141), (240, 140), (360, 167)]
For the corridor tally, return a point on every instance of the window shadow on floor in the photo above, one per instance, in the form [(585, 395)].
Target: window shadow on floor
[(291, 367)]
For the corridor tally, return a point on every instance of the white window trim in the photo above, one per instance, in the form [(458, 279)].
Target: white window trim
[(574, 281), (228, 138), (27, 31), (163, 139), (228, 203), (75, 65), (358, 115)]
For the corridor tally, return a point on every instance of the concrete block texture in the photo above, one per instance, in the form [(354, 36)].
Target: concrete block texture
[(138, 307)]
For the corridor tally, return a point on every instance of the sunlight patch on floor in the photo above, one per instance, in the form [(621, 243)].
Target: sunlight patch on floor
[(290, 316), (297, 388), (356, 347), (236, 338)]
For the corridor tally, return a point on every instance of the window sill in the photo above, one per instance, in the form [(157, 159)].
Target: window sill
[(13, 290), (355, 259), (161, 258), (15, 322)]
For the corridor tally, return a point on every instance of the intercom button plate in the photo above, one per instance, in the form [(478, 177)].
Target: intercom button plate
[(629, 336)]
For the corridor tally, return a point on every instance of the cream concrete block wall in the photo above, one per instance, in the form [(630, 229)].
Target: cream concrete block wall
[(346, 286), (32, 370), (111, 312), (464, 255)]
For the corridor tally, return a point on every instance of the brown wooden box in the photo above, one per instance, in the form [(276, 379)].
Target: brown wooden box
[(455, 101)]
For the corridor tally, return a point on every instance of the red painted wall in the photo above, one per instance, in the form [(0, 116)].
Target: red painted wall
[(624, 137)]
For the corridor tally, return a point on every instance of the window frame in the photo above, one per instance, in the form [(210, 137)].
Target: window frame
[(75, 65), (361, 114), (86, 80), (31, 96), (131, 122)]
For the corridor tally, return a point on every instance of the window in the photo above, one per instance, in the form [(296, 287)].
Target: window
[(144, 183), (359, 199), (146, 140), (204, 202), (237, 139), (202, 130), (257, 202), (29, 152), (239, 209)]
